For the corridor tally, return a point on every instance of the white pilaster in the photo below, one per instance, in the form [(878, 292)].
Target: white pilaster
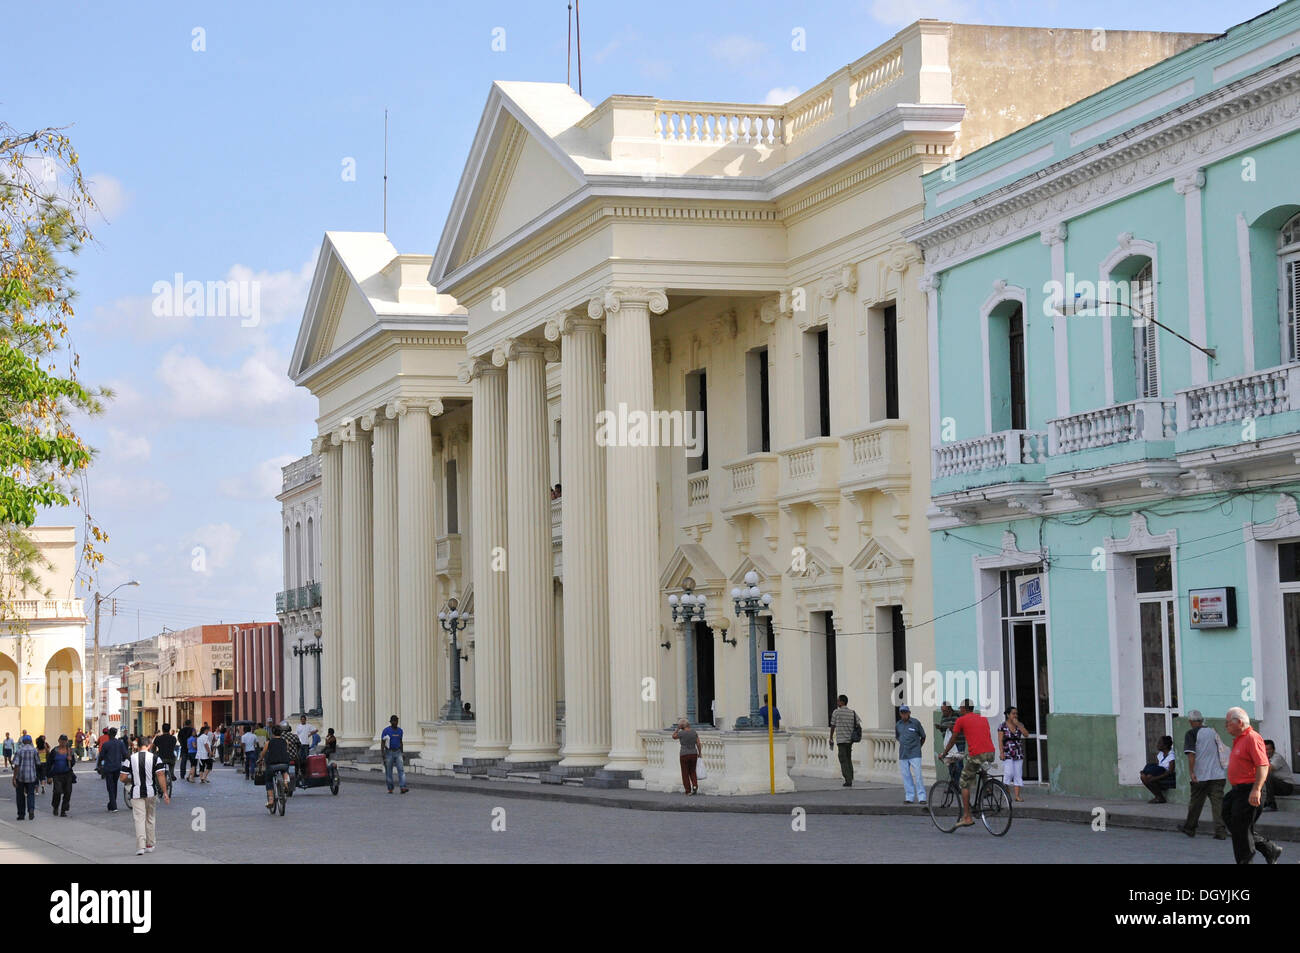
[(528, 521), (1189, 186), (388, 693), (356, 560), (491, 588), (1054, 238), (416, 612), (586, 612), (632, 526)]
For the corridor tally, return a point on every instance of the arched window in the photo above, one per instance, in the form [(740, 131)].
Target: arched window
[(311, 552), (1289, 296), (297, 554), (286, 558)]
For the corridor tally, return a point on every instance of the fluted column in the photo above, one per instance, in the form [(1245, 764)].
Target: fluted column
[(528, 523), (631, 526), (489, 566), (416, 613), (388, 692), (357, 563), (586, 612), (331, 454)]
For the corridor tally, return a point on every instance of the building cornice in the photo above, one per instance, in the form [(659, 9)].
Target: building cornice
[(1196, 134)]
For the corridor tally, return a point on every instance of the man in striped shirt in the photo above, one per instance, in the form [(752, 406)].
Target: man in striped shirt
[(843, 720), (25, 778), (146, 774)]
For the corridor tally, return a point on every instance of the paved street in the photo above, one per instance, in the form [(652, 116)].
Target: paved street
[(365, 825)]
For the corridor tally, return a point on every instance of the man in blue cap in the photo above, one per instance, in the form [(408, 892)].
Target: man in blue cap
[(111, 755)]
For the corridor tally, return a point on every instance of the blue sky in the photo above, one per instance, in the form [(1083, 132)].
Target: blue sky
[(227, 162)]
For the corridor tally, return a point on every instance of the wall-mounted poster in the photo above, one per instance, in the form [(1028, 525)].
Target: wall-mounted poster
[(1213, 608)]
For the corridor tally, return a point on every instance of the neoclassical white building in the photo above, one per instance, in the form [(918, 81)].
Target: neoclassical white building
[(298, 605), (743, 262)]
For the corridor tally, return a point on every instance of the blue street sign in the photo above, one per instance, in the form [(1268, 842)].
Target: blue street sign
[(769, 663)]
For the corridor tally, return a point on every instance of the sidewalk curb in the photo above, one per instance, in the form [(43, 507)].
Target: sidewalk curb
[(719, 805)]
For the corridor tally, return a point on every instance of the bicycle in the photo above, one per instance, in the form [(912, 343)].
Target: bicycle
[(990, 800), (280, 796)]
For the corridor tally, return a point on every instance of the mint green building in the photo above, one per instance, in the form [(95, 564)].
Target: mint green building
[(1114, 293)]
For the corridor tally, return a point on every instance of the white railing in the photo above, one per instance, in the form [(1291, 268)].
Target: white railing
[(697, 491), (753, 480), (1148, 419), (876, 758), (877, 452), (48, 608), (744, 477), (557, 521), (303, 470), (875, 75), (812, 466), (990, 452), (718, 123), (1261, 394), (447, 551), (809, 115)]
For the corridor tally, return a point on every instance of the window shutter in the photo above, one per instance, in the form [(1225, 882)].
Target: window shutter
[(1146, 343), (1293, 308)]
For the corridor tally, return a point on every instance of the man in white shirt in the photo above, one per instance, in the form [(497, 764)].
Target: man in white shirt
[(1206, 774), (146, 776), (203, 751), (304, 732), (249, 742)]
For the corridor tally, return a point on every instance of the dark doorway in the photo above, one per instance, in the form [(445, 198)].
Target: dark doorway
[(704, 674), (824, 382), (891, 363), (832, 677), (899, 646)]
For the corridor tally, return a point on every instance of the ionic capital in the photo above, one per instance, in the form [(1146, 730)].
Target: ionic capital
[(902, 256), (475, 367), (613, 299), (567, 322), (930, 283), (1189, 181), (843, 278), (1053, 234), (512, 349)]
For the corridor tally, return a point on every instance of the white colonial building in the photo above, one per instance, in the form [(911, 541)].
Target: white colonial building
[(298, 605), (743, 262)]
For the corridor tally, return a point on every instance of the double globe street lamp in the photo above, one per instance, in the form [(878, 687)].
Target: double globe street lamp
[(750, 601), (689, 609), (453, 621), (300, 652)]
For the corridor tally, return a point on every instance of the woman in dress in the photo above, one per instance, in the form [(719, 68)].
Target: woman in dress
[(1011, 751)]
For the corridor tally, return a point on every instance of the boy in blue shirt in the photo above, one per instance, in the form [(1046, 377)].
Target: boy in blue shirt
[(390, 742)]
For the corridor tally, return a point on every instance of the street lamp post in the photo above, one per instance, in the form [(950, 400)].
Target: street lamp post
[(453, 621), (689, 609), (750, 601), (314, 651), (300, 653), (94, 680)]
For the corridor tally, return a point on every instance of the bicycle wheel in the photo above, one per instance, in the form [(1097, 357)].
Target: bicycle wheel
[(280, 791), (945, 805), (995, 808)]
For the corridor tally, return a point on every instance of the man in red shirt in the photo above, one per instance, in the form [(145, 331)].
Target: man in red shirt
[(1247, 771), (974, 727)]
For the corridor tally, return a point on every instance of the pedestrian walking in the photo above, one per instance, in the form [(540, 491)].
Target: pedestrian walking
[(112, 752), (42, 762), (249, 743), (845, 730), (203, 756), (911, 736), (192, 756), (164, 746), (145, 774), (1247, 772), (1011, 750), (689, 755), (1207, 761), (79, 744), (183, 745), (25, 777), (390, 742), (295, 751), (62, 777), (331, 745), (8, 751)]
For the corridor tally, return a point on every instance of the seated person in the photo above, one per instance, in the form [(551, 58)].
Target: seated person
[(762, 713), (1158, 776), (1279, 779)]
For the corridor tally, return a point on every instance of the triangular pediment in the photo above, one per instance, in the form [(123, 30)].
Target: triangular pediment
[(766, 569), (882, 556), (818, 566), (691, 559), (516, 171)]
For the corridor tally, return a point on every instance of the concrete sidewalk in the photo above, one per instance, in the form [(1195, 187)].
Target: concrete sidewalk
[(829, 796)]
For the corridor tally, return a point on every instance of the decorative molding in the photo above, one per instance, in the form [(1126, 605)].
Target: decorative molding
[(842, 278), (512, 349), (1186, 182), (1218, 479), (1011, 556), (902, 255), (611, 300), (1085, 499), (474, 367), (780, 306), (1139, 538), (1168, 485), (566, 322), (1053, 234), (930, 283), (369, 419), (1216, 125), (723, 325), (1029, 502)]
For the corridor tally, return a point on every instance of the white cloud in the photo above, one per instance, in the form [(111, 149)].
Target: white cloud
[(110, 194), (125, 446), (903, 12), (780, 95), (107, 489), (738, 51), (196, 389), (218, 540), (262, 482)]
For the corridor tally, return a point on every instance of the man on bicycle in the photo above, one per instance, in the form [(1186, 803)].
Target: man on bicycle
[(974, 727), (275, 759)]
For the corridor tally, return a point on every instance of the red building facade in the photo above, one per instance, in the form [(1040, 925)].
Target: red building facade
[(259, 672)]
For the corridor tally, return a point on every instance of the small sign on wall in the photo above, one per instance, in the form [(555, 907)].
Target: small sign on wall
[(1213, 608), (1029, 592)]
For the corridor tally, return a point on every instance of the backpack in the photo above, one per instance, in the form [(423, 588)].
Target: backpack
[(857, 729)]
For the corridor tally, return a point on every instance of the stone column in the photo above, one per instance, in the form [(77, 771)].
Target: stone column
[(632, 526), (528, 522), (488, 554), (357, 562), (417, 620), (331, 454), (388, 693), (586, 605)]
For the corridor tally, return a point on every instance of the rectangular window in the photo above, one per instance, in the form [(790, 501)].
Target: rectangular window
[(1155, 573), (1016, 358), (453, 516), (824, 382), (816, 383), (899, 645), (891, 363), (758, 402), (1145, 345), (697, 389), (1291, 292)]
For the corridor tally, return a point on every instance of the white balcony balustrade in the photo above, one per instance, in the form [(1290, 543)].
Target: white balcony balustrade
[(990, 452), (697, 491), (753, 481), (1236, 399), (810, 467), (874, 456), (1149, 419)]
